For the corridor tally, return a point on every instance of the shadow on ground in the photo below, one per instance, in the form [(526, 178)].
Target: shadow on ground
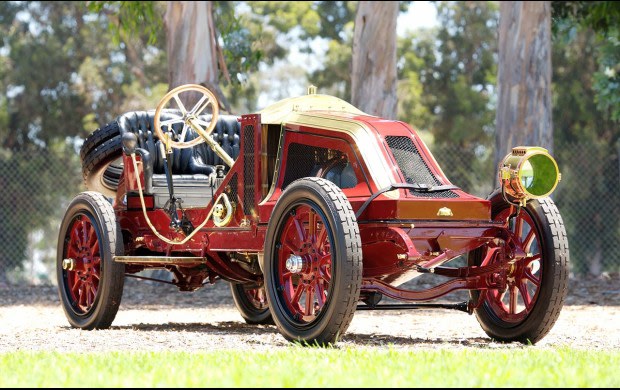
[(604, 290)]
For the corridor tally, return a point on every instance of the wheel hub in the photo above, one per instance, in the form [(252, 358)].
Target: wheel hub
[(295, 264)]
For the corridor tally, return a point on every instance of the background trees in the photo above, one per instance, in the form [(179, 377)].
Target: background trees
[(63, 73), (524, 78), (373, 67), (60, 75)]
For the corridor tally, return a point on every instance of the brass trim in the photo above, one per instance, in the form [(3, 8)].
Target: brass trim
[(365, 139), (68, 264), (279, 111), (445, 212), (158, 259), (276, 168)]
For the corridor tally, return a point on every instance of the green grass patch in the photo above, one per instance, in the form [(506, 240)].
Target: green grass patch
[(315, 367)]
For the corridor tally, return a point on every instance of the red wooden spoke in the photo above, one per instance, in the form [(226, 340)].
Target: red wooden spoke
[(301, 233), (522, 282), (514, 295), (322, 241), (518, 228), (85, 237), (256, 297), (525, 295), (299, 290), (311, 226), (320, 294), (309, 307), (531, 277), (529, 240), (291, 247), (304, 238), (75, 237), (92, 238), (325, 274), (83, 248), (530, 260)]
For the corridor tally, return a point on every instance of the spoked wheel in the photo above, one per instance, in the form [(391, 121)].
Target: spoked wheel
[(198, 110), (251, 301), (90, 284), (313, 262), (536, 284)]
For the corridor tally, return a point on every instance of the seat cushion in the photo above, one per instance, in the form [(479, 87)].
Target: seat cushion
[(197, 160)]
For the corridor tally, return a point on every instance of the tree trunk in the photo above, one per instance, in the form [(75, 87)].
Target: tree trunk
[(524, 77), (373, 79), (192, 46)]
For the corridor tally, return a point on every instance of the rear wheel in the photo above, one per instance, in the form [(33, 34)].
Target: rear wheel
[(90, 283), (537, 284), (251, 301), (313, 262)]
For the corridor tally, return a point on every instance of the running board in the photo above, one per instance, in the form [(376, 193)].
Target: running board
[(463, 306), (159, 260)]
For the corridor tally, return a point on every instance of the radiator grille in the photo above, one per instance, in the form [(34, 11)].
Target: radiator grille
[(414, 168)]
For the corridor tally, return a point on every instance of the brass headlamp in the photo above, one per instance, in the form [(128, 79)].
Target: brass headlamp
[(528, 172)]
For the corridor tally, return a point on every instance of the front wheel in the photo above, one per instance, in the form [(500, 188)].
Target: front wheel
[(90, 283), (313, 262), (536, 284)]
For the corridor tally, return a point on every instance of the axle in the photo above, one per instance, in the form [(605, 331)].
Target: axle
[(466, 307)]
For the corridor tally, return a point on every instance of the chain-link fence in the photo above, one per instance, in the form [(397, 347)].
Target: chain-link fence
[(35, 189), (588, 196)]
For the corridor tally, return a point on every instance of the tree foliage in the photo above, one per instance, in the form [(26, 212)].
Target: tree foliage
[(587, 151), (131, 16), (311, 23), (447, 87), (61, 76), (63, 72), (602, 17), (456, 66)]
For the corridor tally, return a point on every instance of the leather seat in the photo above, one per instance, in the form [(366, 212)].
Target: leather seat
[(197, 160)]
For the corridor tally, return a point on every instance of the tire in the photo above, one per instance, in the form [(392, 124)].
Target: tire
[(314, 300), (102, 164), (91, 291), (98, 137), (540, 278), (252, 304)]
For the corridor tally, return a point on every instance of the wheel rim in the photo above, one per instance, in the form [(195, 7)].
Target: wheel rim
[(304, 264), (256, 297), (524, 278), (83, 256)]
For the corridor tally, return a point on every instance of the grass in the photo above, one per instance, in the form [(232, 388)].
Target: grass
[(315, 367)]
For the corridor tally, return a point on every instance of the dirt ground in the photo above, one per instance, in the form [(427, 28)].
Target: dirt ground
[(155, 317)]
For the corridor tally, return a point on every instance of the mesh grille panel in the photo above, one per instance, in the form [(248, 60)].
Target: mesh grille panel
[(248, 169), (231, 191), (414, 168), (306, 160)]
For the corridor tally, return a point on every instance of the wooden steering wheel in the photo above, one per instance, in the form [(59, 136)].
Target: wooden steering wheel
[(201, 101)]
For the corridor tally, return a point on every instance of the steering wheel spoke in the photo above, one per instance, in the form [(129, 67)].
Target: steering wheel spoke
[(202, 102), (180, 103)]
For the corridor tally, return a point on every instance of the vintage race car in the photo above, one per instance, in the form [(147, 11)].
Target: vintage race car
[(311, 209)]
